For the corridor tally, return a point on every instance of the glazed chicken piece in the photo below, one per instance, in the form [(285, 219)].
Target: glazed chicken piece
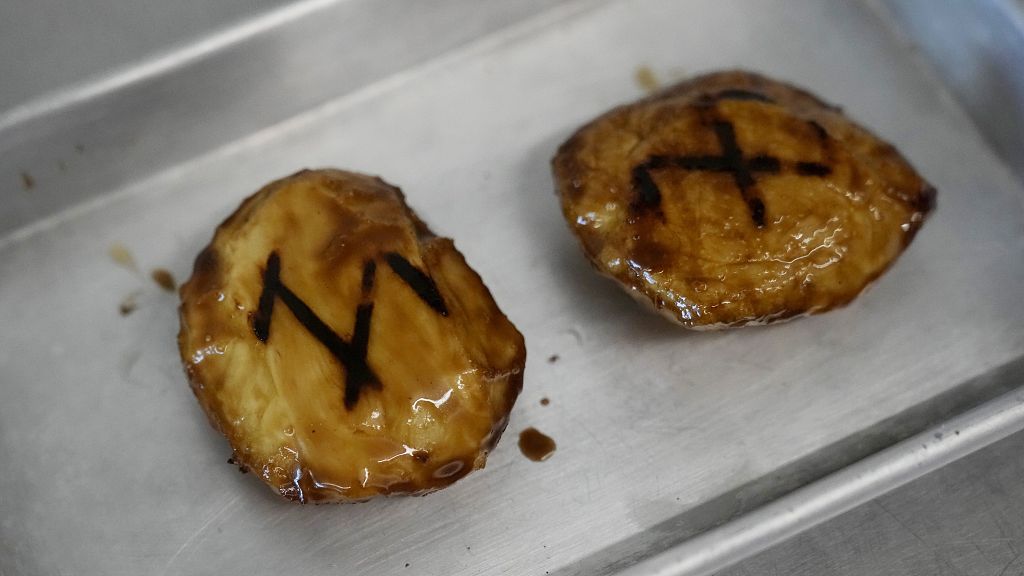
[(343, 349), (733, 199)]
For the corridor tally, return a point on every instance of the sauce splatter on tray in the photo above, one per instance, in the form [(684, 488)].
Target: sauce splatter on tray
[(164, 279), (129, 304), (122, 256), (646, 79), (536, 445)]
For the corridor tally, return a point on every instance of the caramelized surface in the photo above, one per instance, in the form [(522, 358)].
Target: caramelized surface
[(343, 349), (732, 199)]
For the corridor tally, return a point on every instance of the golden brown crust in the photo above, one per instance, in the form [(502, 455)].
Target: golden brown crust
[(271, 325), (733, 199)]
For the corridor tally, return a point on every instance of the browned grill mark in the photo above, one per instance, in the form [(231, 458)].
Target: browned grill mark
[(265, 307), (352, 355), (766, 164), (359, 373), (647, 196), (741, 94), (819, 131), (422, 284), (827, 152), (812, 169), (741, 173)]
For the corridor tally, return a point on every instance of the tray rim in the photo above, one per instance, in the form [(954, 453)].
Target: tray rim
[(840, 491)]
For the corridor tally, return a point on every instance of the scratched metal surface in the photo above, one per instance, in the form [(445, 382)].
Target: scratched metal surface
[(110, 468), (72, 41)]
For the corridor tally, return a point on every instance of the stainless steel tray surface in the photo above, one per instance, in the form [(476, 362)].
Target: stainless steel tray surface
[(107, 465)]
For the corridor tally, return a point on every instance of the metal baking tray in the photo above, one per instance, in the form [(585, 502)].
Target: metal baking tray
[(678, 452)]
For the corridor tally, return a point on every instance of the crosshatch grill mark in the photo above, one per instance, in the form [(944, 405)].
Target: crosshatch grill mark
[(647, 195)]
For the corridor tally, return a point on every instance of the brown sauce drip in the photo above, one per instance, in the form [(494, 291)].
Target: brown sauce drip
[(164, 279), (128, 304), (545, 401), (646, 79), (536, 445), (27, 181), (122, 256)]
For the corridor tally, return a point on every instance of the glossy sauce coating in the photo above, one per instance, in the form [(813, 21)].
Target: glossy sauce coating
[(344, 350), (732, 199)]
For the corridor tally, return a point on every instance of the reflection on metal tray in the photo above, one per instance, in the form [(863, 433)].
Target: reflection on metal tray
[(112, 469)]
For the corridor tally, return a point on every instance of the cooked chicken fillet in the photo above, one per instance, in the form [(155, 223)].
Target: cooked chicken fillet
[(343, 349), (732, 199)]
